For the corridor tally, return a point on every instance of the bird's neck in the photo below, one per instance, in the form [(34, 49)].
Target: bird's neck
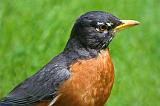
[(76, 48)]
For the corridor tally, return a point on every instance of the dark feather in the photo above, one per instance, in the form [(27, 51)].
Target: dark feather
[(40, 87)]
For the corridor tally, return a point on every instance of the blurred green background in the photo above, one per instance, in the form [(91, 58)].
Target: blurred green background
[(33, 31)]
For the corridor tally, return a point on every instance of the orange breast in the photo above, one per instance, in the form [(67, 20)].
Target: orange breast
[(90, 83)]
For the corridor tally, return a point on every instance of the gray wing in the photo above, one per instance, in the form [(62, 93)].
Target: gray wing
[(40, 87)]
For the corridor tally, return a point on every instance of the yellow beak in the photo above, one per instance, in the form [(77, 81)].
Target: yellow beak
[(126, 24)]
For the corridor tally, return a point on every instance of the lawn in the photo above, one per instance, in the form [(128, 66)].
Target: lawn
[(33, 31)]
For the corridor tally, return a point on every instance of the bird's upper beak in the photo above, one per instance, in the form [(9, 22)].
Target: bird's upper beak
[(126, 24)]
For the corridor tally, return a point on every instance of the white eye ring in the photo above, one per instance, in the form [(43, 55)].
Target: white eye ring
[(97, 29), (105, 31), (100, 23), (109, 24), (102, 27)]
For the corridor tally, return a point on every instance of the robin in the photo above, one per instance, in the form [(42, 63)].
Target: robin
[(82, 74)]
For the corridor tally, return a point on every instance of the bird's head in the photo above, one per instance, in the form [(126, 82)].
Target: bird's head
[(96, 29)]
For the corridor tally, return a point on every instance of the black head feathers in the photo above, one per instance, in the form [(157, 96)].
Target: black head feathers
[(94, 29)]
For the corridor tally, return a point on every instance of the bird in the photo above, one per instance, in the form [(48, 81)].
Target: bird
[(82, 74)]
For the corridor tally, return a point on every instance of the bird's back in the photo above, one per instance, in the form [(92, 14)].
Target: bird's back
[(41, 87)]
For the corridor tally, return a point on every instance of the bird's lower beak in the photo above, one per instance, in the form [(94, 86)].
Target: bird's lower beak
[(126, 24)]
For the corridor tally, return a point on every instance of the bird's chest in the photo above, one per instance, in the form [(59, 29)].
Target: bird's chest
[(90, 83)]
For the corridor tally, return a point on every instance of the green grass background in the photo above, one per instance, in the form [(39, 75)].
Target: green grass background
[(33, 31)]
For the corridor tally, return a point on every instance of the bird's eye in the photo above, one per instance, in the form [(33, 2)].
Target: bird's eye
[(102, 28)]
